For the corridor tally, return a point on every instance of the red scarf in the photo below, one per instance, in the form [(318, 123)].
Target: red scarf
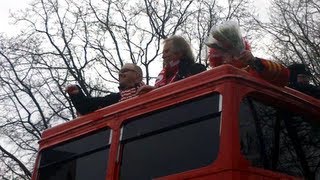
[(129, 93), (168, 74)]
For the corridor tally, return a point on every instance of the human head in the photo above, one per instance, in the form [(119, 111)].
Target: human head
[(218, 56), (129, 76), (299, 73), (303, 78), (177, 48)]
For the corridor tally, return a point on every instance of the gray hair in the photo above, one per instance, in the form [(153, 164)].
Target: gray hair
[(179, 44), (138, 70)]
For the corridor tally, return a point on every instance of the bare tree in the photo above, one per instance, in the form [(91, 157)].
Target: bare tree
[(86, 42), (294, 26)]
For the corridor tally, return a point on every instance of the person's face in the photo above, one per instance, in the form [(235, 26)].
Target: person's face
[(226, 58), (168, 55), (303, 79), (128, 76)]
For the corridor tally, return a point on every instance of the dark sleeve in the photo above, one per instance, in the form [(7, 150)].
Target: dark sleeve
[(85, 105)]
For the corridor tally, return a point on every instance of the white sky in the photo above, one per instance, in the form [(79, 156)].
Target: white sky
[(14, 5), (7, 6)]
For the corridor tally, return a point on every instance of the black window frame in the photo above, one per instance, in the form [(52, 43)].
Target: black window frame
[(167, 125), (93, 148)]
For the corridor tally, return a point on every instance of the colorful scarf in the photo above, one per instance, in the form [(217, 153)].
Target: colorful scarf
[(168, 74), (129, 93)]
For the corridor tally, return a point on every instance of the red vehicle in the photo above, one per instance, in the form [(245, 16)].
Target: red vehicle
[(220, 124)]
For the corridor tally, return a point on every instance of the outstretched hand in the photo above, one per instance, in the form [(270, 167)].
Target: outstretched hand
[(145, 89)]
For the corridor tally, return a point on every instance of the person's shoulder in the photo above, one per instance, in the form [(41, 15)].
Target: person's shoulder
[(306, 88), (197, 68), (109, 99), (114, 95)]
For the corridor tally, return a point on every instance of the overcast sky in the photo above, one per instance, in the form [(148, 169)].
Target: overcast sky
[(13, 5), (5, 7)]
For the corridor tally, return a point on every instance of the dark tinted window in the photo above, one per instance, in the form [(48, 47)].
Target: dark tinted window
[(80, 159), (177, 139), (279, 139)]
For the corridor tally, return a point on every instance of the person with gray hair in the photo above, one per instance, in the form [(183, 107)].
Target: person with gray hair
[(178, 63), (130, 80)]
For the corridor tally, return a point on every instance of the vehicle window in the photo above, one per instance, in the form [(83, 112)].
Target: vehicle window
[(280, 139), (177, 139), (81, 159)]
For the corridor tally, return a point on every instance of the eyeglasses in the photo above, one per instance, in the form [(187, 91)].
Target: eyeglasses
[(124, 70)]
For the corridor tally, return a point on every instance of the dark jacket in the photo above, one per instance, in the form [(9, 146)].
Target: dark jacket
[(186, 70), (309, 89), (85, 105)]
